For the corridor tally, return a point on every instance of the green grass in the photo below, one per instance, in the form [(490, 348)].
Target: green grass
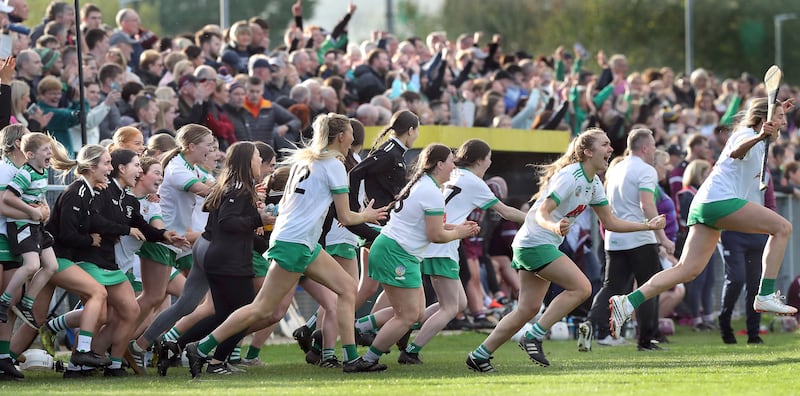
[(695, 364)]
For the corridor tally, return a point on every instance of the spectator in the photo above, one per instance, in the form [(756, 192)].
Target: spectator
[(170, 61), (29, 70), (241, 37), (150, 68), (57, 11), (32, 118), (97, 43), (167, 111), (369, 78), (260, 67), (367, 114), (269, 122), (50, 90), (210, 43), (236, 112), (219, 123), (697, 148), (91, 17)]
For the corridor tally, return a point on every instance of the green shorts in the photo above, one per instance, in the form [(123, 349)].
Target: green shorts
[(391, 265), (293, 257), (158, 253), (5, 251), (64, 264), (535, 258), (135, 284), (260, 265), (103, 276), (709, 213), (343, 250), (440, 266), (184, 263)]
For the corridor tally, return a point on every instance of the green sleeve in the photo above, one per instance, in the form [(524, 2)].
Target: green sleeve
[(730, 113), (603, 95), (560, 70)]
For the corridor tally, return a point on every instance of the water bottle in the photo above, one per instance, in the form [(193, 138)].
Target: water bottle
[(571, 327)]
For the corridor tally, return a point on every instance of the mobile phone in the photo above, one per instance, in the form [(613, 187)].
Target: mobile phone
[(5, 46), (33, 108), (115, 86)]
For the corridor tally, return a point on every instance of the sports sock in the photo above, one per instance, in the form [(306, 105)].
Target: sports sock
[(767, 287), (27, 302), (172, 335), (84, 341), (366, 324), (252, 353), (536, 332), (349, 352), (57, 324), (481, 352), (416, 326), (413, 348), (635, 299), (6, 298), (5, 349), (115, 363), (206, 345), (372, 355), (312, 322)]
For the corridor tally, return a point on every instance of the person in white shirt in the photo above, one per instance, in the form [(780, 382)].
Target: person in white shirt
[(722, 203), (317, 179), (630, 187), (567, 187)]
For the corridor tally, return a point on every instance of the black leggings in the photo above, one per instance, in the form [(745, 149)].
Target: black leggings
[(229, 293)]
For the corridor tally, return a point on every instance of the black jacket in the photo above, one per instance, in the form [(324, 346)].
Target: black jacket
[(114, 212), (231, 227), (368, 83), (69, 220)]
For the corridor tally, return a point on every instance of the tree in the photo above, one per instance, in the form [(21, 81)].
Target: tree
[(731, 36)]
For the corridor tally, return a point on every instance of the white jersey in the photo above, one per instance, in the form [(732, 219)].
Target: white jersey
[(177, 202), (200, 218), (572, 192), (338, 233), (623, 183), (407, 227), (7, 172), (462, 194), (125, 250), (733, 178), (308, 195)]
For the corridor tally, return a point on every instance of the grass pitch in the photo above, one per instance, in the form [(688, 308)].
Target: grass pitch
[(695, 364)]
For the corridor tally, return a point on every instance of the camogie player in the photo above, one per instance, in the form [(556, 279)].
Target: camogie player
[(567, 187), (396, 255), (317, 178), (722, 203)]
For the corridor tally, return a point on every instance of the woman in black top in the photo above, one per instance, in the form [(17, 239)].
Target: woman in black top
[(383, 172), (234, 215)]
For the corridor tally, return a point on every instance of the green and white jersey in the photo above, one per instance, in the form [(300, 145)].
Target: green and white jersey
[(572, 192), (733, 178), (306, 199), (407, 226), (623, 183), (200, 218), (31, 186), (463, 193), (177, 202), (125, 250), (7, 171)]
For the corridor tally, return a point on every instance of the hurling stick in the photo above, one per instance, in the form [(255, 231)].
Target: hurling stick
[(772, 82)]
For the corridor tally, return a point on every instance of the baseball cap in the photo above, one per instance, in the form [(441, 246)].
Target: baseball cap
[(186, 79), (261, 62), (120, 38), (674, 149)]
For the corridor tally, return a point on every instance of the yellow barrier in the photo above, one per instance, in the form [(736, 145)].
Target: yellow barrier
[(510, 140)]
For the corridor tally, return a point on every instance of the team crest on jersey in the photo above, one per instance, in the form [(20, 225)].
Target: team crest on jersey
[(129, 211), (400, 272)]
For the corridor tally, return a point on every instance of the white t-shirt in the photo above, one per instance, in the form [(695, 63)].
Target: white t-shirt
[(573, 192), (125, 250), (623, 183), (407, 227), (177, 202), (462, 194), (7, 172), (308, 195), (733, 178), (200, 218), (338, 233)]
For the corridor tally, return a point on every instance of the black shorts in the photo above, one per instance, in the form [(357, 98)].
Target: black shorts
[(26, 237)]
